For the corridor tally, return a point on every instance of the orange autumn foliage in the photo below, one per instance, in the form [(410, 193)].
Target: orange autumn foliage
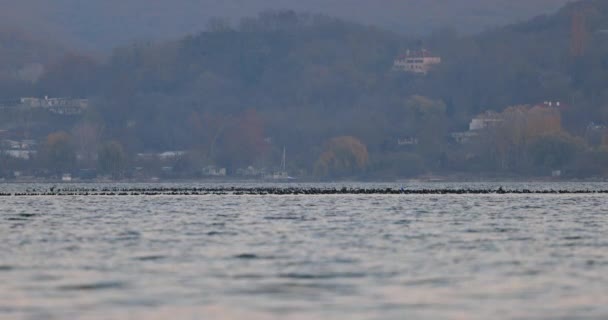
[(342, 156)]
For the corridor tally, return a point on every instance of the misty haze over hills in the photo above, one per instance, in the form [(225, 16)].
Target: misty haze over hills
[(104, 24), (525, 99)]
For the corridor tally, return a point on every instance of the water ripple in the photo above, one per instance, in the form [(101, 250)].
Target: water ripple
[(314, 256)]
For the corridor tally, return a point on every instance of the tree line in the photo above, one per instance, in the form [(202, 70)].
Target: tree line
[(236, 95)]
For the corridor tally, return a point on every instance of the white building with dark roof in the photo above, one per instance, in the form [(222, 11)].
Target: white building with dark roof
[(421, 61)]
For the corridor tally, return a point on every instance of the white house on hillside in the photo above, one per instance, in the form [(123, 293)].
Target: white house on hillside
[(64, 106), (416, 61), (485, 120), (481, 122)]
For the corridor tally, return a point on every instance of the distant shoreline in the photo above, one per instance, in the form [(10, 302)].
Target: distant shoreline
[(431, 180)]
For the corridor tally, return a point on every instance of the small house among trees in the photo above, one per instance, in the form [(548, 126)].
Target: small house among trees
[(486, 120), (64, 106), (416, 61)]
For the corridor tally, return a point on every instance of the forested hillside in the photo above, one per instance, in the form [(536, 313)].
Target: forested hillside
[(325, 90), (22, 59), (103, 24)]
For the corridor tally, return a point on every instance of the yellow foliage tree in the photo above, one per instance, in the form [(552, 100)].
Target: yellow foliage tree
[(342, 156), (520, 126)]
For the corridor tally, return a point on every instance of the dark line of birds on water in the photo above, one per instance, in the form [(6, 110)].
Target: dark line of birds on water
[(261, 191)]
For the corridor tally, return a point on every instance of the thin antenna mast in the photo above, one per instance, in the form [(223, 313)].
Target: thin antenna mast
[(284, 162)]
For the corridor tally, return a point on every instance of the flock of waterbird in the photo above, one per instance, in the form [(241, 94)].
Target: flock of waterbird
[(279, 191)]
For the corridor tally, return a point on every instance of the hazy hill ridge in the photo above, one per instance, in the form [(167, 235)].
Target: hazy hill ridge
[(235, 95), (103, 24)]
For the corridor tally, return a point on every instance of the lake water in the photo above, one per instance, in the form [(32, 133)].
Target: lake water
[(305, 257)]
